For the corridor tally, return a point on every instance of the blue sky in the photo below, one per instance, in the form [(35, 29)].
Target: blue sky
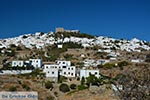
[(113, 18)]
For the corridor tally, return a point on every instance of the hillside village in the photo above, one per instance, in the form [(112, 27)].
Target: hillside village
[(86, 62)]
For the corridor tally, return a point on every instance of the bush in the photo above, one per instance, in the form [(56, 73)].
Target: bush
[(50, 98), (72, 45), (78, 78), (82, 81), (48, 85), (25, 86), (109, 65), (122, 64), (68, 56), (82, 87), (61, 79), (73, 86), (64, 88), (12, 88)]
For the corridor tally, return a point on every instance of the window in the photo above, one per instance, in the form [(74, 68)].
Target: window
[(68, 68), (55, 66), (72, 68), (52, 72), (64, 72), (48, 72), (64, 66), (63, 62), (68, 72), (20, 63), (46, 66), (71, 74), (89, 73), (95, 73)]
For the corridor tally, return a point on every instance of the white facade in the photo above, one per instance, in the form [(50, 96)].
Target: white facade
[(63, 68), (60, 46), (18, 63), (7, 72), (86, 73), (37, 63), (102, 61), (69, 71), (53, 72), (137, 61), (89, 62), (63, 63), (94, 63)]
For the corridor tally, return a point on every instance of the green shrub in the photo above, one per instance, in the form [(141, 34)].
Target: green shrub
[(109, 65), (48, 85), (68, 56), (50, 98), (12, 88), (25, 86), (72, 45), (82, 87), (82, 81), (73, 86), (64, 88), (122, 64)]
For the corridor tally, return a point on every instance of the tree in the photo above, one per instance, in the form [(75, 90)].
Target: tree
[(93, 80), (49, 85), (122, 64), (12, 88), (73, 86), (64, 88), (82, 81), (135, 84), (25, 86)]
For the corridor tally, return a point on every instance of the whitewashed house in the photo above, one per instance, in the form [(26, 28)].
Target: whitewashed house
[(18, 63), (102, 61), (63, 63), (52, 73), (137, 60), (94, 63), (60, 46), (37, 63), (89, 62), (62, 68), (69, 72), (86, 73)]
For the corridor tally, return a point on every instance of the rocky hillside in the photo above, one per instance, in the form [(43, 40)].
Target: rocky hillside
[(40, 40)]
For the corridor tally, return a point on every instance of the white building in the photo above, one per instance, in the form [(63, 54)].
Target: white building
[(89, 62), (18, 63), (68, 72), (62, 68), (63, 63), (94, 63), (137, 60), (102, 61), (37, 63), (86, 73), (60, 46)]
